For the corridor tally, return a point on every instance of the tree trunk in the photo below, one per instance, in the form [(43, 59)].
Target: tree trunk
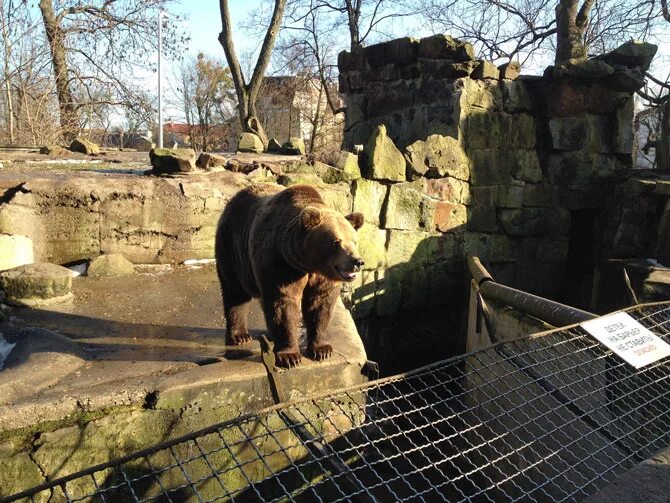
[(248, 93), (7, 76), (571, 24), (663, 142), (66, 105)]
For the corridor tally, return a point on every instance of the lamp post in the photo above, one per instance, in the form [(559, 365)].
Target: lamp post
[(161, 14)]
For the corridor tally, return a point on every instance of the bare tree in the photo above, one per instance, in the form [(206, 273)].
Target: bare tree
[(247, 93), (522, 29), (93, 45)]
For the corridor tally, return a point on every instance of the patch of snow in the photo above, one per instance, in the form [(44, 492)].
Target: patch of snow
[(5, 348)]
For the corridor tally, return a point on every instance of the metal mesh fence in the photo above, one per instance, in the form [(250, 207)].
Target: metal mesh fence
[(543, 418)]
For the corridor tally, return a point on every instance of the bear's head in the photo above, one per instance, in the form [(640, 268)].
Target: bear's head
[(331, 242)]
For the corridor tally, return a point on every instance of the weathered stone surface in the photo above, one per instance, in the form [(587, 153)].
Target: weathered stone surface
[(486, 70), (445, 47), (447, 189), (172, 160), (437, 157), (552, 250), (348, 163), (369, 198), (521, 131), (54, 150), (354, 60), (634, 54), (250, 142), (294, 146), (490, 247), (479, 95), (535, 221), (403, 210), (491, 167), (510, 71), (656, 287), (588, 69), (501, 196), (274, 147), (443, 216), (663, 237), (624, 135), (482, 219), (563, 99), (527, 166), (625, 81), (288, 179), (399, 51), (36, 284), (372, 246), (515, 96), (569, 133), (207, 160), (541, 196), (84, 146), (112, 264), (15, 251), (486, 130), (384, 160), (337, 196)]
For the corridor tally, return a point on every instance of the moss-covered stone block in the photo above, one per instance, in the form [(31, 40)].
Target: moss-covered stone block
[(384, 160), (403, 210), (445, 47), (368, 198), (372, 246), (294, 146), (347, 162), (479, 96), (447, 189), (491, 166), (337, 196), (491, 247), (526, 167), (172, 160), (569, 133), (438, 156), (535, 221), (521, 131)]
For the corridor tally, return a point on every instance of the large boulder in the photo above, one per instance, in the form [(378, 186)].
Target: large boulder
[(294, 146), (15, 250), (445, 47), (84, 146), (656, 287), (112, 264), (633, 54), (438, 156), (37, 284), (172, 160), (207, 160), (274, 147), (348, 163), (384, 160), (250, 142)]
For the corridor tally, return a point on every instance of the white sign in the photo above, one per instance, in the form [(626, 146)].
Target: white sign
[(628, 339)]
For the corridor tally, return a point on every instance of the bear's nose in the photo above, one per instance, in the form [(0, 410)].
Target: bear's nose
[(358, 263)]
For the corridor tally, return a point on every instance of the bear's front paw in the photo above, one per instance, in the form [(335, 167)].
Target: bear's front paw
[(238, 340), (320, 352), (287, 359)]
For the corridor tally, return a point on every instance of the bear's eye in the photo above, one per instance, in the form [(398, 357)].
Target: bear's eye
[(336, 242)]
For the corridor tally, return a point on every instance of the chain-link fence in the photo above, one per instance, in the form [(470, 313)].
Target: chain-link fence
[(544, 418)]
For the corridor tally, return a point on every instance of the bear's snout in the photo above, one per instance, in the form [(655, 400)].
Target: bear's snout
[(358, 264)]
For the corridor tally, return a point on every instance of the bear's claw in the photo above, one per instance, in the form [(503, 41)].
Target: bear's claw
[(238, 340), (287, 359), (321, 352)]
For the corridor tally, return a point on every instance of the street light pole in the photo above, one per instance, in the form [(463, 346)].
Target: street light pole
[(160, 81)]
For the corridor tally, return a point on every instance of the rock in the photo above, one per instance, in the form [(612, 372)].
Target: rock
[(84, 146), (443, 216), (656, 287), (372, 246), (384, 160), (172, 160), (501, 196), (261, 175), (486, 70), (348, 163), (625, 81), (207, 160), (369, 198), (403, 210), (510, 71), (274, 147), (515, 96), (288, 179), (588, 69), (15, 250), (238, 166), (633, 54), (249, 142), (436, 157), (54, 150), (552, 250), (447, 189), (112, 264), (294, 146), (568, 133), (445, 47), (37, 284), (535, 221), (541, 196)]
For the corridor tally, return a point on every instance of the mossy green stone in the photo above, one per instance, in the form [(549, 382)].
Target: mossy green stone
[(369, 198), (372, 246), (250, 142), (384, 160)]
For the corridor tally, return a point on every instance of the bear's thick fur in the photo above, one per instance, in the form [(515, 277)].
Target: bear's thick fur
[(292, 251)]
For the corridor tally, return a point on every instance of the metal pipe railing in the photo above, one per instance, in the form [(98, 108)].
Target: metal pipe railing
[(549, 311)]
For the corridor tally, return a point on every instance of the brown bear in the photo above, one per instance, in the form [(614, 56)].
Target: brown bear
[(292, 251)]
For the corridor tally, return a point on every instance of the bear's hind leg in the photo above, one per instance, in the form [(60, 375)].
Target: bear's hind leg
[(318, 301), (236, 312)]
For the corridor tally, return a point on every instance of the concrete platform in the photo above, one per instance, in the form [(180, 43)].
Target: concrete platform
[(134, 361)]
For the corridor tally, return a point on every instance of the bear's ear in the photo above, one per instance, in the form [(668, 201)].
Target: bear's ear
[(310, 217), (356, 220)]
